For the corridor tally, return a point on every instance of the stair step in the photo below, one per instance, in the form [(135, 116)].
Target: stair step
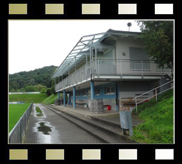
[(113, 131), (89, 128)]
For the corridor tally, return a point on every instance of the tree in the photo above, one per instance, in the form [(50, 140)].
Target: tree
[(48, 92), (29, 89), (39, 87), (158, 38), (43, 90)]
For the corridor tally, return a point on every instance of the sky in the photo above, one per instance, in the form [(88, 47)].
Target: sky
[(34, 44)]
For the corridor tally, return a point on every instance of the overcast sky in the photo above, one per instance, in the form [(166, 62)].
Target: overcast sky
[(37, 43)]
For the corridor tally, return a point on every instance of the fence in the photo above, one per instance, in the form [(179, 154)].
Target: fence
[(111, 67), (17, 133), (166, 86)]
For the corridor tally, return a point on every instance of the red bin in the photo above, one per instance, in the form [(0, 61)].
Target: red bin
[(108, 107)]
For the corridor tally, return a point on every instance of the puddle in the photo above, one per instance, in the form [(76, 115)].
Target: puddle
[(44, 128)]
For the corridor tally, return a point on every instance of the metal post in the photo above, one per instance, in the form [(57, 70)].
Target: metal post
[(121, 68), (27, 117), (136, 104), (156, 94), (20, 130), (64, 98), (142, 68), (58, 95), (91, 59), (95, 57), (98, 68), (117, 95), (92, 89), (75, 70), (74, 98)]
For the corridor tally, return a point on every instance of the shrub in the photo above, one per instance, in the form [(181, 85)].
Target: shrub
[(43, 90), (49, 92), (29, 89)]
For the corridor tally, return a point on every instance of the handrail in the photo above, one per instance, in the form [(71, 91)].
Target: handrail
[(152, 89), (120, 67), (156, 94)]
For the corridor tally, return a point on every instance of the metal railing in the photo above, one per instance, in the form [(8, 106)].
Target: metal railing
[(108, 66), (154, 92), (17, 133)]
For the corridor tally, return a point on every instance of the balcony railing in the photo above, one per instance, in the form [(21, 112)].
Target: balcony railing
[(112, 67)]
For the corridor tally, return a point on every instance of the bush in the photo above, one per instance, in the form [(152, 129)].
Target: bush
[(43, 90), (49, 91), (29, 89), (53, 90)]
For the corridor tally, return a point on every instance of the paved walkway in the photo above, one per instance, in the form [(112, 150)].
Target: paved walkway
[(109, 116), (51, 128)]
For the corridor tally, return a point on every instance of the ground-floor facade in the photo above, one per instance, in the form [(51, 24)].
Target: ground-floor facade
[(109, 92)]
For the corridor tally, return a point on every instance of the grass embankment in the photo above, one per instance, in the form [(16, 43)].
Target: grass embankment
[(15, 113), (158, 121), (50, 100), (28, 98)]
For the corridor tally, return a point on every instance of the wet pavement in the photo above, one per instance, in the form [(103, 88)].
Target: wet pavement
[(108, 116), (51, 128)]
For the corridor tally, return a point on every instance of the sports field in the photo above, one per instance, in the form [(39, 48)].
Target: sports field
[(15, 113)]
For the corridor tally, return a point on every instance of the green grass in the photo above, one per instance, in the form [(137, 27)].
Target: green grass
[(38, 111), (28, 98), (50, 99), (153, 102), (15, 113), (158, 121)]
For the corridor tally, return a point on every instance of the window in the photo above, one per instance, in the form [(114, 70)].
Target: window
[(109, 89), (85, 93), (77, 93), (139, 59)]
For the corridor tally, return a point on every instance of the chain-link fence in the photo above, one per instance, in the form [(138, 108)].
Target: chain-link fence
[(17, 133)]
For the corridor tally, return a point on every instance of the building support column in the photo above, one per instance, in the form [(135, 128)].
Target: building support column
[(64, 98), (74, 98), (68, 95), (92, 90), (58, 95), (69, 98), (117, 96)]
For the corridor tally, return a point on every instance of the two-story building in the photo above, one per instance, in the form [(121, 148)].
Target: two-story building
[(107, 66)]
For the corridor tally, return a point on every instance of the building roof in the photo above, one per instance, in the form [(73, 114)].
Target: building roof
[(84, 44)]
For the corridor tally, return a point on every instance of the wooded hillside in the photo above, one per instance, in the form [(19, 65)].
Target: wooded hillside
[(36, 79)]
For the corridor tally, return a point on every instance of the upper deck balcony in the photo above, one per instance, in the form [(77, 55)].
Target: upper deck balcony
[(113, 69)]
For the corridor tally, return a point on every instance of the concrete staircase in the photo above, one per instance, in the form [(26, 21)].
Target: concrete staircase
[(106, 131)]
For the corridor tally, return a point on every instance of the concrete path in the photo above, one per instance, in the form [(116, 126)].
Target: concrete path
[(51, 128), (109, 116)]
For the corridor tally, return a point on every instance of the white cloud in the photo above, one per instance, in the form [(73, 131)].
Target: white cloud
[(38, 43)]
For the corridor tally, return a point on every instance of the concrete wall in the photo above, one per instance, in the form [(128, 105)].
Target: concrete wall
[(130, 89), (122, 45)]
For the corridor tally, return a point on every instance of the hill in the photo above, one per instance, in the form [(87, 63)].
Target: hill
[(28, 98), (19, 81), (158, 121)]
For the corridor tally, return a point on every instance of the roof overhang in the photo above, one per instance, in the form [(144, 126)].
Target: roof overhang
[(85, 43)]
